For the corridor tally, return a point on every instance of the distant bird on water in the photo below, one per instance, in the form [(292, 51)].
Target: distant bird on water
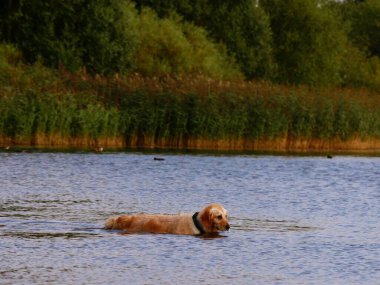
[(158, 158)]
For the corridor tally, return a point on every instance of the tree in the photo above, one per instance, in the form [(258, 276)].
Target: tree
[(73, 33), (241, 25), (171, 46), (245, 29), (362, 56), (364, 20), (308, 41)]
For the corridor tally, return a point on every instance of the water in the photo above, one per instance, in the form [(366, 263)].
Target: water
[(295, 220)]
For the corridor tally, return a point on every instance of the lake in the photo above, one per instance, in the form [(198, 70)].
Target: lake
[(294, 219)]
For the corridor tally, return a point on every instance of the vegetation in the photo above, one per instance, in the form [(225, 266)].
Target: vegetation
[(178, 73), (110, 36), (50, 107), (313, 42)]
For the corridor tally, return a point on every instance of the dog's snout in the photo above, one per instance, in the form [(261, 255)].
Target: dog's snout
[(227, 227)]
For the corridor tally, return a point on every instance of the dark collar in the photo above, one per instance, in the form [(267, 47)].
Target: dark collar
[(197, 224)]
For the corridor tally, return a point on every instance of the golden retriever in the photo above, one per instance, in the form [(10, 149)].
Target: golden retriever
[(211, 219)]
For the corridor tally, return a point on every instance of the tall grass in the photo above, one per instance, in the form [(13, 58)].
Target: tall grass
[(44, 107)]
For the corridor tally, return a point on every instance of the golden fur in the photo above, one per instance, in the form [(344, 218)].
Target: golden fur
[(212, 218)]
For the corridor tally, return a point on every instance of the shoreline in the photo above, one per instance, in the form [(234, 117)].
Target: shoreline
[(278, 145)]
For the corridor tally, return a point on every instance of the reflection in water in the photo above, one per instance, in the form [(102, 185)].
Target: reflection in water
[(208, 236), (38, 235), (294, 220)]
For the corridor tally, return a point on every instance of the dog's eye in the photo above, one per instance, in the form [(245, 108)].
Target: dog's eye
[(220, 217)]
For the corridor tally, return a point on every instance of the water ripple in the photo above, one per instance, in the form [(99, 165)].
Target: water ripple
[(295, 220)]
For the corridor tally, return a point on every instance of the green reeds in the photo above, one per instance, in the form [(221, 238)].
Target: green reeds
[(173, 118), (39, 107)]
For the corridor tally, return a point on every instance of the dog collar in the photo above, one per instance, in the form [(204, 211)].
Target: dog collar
[(197, 224)]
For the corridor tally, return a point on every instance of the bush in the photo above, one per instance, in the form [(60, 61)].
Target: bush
[(167, 46)]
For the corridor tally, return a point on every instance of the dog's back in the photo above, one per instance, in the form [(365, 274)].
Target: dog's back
[(176, 224)]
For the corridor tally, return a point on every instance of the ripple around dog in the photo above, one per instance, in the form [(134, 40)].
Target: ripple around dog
[(269, 225)]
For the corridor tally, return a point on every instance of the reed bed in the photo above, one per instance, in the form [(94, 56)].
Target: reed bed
[(39, 106)]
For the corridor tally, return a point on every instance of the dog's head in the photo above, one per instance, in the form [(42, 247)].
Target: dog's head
[(214, 218)]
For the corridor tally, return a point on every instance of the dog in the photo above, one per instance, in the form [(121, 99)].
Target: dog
[(210, 220)]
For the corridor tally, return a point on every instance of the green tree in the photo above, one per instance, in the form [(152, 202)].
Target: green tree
[(169, 45), (308, 41), (245, 29), (108, 36), (364, 20), (361, 66), (194, 11), (240, 24), (74, 33)]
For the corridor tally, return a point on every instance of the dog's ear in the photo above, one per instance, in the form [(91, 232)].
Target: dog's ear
[(206, 219)]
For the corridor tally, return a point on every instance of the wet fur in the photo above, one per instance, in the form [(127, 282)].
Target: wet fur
[(213, 219)]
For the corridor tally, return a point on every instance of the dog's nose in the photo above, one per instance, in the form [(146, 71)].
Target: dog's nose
[(227, 227)]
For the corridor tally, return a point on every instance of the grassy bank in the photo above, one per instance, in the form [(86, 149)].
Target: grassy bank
[(44, 107)]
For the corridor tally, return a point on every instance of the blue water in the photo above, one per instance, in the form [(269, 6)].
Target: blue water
[(295, 220)]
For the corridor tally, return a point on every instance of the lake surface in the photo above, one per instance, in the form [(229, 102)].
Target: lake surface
[(295, 220)]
